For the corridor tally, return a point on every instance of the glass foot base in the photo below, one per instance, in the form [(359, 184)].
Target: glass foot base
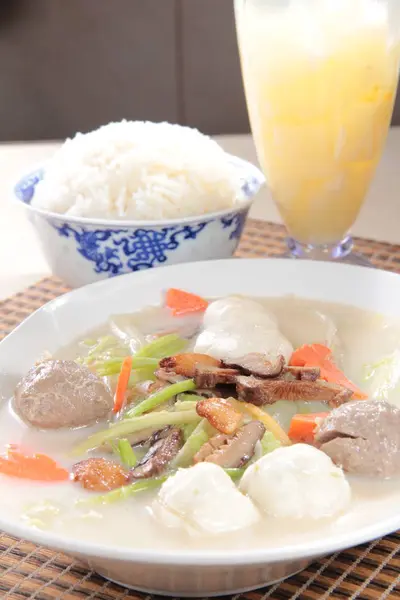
[(341, 252)]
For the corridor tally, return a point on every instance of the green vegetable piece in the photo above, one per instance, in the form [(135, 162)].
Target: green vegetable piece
[(235, 474), (185, 405), (269, 442), (195, 441), (189, 398), (158, 420), (160, 397), (126, 453), (125, 492), (167, 345)]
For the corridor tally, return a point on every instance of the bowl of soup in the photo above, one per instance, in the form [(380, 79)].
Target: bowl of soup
[(195, 432)]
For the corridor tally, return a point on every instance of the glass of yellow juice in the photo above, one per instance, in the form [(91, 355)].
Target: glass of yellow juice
[(320, 79)]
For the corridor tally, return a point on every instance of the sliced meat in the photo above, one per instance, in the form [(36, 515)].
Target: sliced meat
[(302, 373), (268, 391), (165, 445), (61, 393), (210, 377), (257, 364), (363, 438), (221, 391), (99, 474), (186, 364), (234, 451), (220, 414), (164, 376)]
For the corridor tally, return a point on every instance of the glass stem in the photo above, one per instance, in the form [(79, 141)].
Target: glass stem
[(325, 252)]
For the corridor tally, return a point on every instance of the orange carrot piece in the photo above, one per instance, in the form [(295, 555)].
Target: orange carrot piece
[(318, 355), (38, 467), (122, 384), (302, 427), (182, 303), (310, 355)]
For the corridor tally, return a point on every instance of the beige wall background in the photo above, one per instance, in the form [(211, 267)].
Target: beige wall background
[(72, 65)]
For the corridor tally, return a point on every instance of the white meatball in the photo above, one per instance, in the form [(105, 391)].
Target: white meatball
[(235, 326), (295, 482), (204, 500), (237, 308)]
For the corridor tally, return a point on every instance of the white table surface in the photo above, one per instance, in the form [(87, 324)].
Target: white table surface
[(21, 260)]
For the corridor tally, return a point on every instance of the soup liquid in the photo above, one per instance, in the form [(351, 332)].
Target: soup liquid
[(361, 338), (320, 80)]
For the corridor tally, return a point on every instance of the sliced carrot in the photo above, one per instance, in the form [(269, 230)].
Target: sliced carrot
[(182, 303), (310, 355), (122, 384), (38, 467), (302, 427), (318, 355)]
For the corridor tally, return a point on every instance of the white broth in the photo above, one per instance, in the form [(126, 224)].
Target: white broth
[(358, 338)]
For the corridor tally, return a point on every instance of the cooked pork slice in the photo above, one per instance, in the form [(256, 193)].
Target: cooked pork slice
[(186, 364), (220, 414), (99, 474)]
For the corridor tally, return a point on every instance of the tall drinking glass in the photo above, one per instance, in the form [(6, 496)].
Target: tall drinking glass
[(320, 78)]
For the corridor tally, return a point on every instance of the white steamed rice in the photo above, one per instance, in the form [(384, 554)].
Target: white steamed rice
[(139, 170)]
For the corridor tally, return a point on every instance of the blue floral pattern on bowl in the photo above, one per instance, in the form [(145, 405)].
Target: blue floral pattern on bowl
[(131, 251), (108, 250)]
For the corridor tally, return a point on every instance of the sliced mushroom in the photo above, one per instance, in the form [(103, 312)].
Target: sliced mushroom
[(186, 364), (209, 447), (220, 414), (210, 377), (302, 373), (257, 364), (165, 445), (268, 391), (235, 451)]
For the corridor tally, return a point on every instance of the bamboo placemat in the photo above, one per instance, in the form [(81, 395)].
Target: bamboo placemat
[(368, 572)]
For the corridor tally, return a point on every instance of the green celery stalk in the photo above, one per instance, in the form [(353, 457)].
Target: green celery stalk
[(195, 441), (125, 492), (89, 342), (269, 442), (185, 405), (113, 366), (160, 397), (103, 343), (189, 398), (125, 427), (167, 345), (128, 457), (235, 474), (188, 430)]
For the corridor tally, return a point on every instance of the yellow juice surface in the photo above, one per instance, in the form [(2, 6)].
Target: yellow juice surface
[(320, 96)]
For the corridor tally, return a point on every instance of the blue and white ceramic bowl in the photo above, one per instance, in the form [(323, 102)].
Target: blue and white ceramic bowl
[(82, 250)]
